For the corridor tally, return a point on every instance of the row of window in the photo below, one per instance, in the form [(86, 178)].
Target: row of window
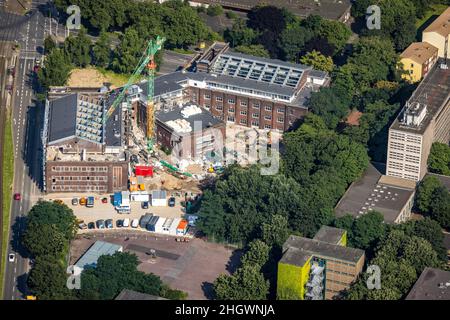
[(79, 178), (79, 188), (79, 169), (256, 105)]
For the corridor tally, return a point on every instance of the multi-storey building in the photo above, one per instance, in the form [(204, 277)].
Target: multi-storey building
[(424, 119), (438, 34), (81, 152), (318, 268), (417, 60), (237, 88)]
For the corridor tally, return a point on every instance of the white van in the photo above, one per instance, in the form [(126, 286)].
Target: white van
[(134, 223), (126, 223)]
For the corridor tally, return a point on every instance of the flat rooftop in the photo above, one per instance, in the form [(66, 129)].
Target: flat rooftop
[(373, 193), (298, 250), (434, 93), (329, 9), (433, 284), (329, 234), (98, 249), (127, 294), (181, 122)]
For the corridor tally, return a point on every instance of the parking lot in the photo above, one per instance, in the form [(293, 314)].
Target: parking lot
[(106, 210), (191, 267)]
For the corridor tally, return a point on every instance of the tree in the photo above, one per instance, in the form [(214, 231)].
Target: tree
[(318, 61), (336, 33), (56, 69), (128, 53), (116, 272), (425, 191), (254, 50), (43, 240), (78, 49), (49, 44), (101, 51), (240, 34), (247, 283), (214, 10), (397, 22), (440, 207), (276, 232), (368, 230), (292, 41), (47, 280), (439, 159), (327, 104), (257, 254), (51, 213), (429, 230)]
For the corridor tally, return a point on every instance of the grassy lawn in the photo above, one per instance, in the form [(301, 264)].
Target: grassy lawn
[(8, 174), (435, 10), (116, 79)]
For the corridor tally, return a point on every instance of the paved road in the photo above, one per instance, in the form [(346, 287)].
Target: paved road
[(30, 33)]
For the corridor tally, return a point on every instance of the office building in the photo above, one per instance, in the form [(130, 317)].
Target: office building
[(318, 268), (423, 120)]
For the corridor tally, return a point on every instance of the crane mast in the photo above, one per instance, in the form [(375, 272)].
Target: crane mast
[(147, 61)]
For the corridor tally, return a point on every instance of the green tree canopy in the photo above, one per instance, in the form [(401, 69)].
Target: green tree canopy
[(56, 69), (254, 50), (101, 51), (51, 213), (78, 49), (318, 61), (46, 239), (439, 159)]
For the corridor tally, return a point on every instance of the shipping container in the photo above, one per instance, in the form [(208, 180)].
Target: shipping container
[(144, 171), (159, 198), (125, 199), (159, 225), (174, 226), (145, 219), (182, 227), (152, 223)]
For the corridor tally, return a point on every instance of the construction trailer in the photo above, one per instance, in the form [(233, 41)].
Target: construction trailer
[(182, 227), (167, 224), (174, 226), (159, 198), (159, 225), (139, 196)]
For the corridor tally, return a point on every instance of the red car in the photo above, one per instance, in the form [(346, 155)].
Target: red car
[(17, 196), (105, 200)]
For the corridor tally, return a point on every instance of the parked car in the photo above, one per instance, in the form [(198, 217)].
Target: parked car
[(82, 226), (91, 225), (58, 201), (144, 205), (11, 257), (90, 202), (109, 224), (126, 223), (171, 202), (75, 201), (134, 223), (17, 196), (100, 224), (104, 200), (82, 201), (119, 223)]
